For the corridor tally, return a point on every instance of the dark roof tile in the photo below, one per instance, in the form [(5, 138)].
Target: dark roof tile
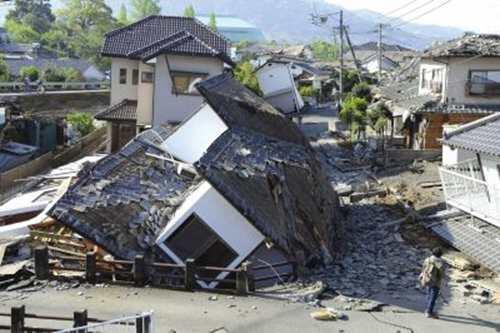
[(125, 110)]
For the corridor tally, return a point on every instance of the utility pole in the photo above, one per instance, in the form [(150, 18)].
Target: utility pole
[(341, 76), (380, 27), (356, 62)]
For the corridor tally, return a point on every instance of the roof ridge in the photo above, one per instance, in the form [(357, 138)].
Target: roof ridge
[(472, 125), (216, 32), (158, 42)]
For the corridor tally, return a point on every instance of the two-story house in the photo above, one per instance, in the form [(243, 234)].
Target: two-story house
[(155, 64), (471, 183), (459, 81)]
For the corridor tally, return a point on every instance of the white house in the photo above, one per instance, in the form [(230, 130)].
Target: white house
[(277, 83), (370, 64), (155, 64), (471, 168)]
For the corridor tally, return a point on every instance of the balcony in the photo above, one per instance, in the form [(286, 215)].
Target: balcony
[(482, 88), (464, 189)]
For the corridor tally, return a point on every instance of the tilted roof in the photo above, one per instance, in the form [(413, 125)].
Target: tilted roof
[(126, 110), (482, 136), (126, 199), (469, 45), (165, 34)]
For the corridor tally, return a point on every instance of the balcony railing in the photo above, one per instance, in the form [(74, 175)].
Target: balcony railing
[(464, 190), (482, 88)]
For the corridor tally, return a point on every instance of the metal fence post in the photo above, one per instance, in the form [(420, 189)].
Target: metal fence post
[(242, 280), (42, 263), (90, 267), (189, 279), (17, 319), (139, 270), (80, 319)]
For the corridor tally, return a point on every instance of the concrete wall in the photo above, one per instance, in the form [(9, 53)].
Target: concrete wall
[(145, 92), (168, 107), (119, 91), (409, 155)]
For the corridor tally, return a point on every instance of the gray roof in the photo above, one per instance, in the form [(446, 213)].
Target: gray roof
[(166, 34), (482, 136), (469, 45), (15, 48), (15, 65), (126, 110), (125, 200)]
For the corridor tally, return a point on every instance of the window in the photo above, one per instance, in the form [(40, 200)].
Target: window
[(135, 77), (147, 77), (123, 76), (484, 82), (432, 80), (184, 82), (195, 239)]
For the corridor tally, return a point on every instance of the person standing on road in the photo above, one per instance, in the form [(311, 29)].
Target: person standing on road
[(432, 277)]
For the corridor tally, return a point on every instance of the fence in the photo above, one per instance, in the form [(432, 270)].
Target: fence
[(140, 272), (52, 86), (141, 323), (10, 180)]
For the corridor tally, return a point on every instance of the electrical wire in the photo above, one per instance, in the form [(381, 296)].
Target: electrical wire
[(399, 18), (399, 8), (423, 14)]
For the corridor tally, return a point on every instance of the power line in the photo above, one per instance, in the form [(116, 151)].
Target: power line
[(399, 8), (410, 12), (421, 15)]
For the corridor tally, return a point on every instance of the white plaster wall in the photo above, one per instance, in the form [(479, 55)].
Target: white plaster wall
[(274, 77), (145, 93), (222, 217), (453, 156), (191, 140), (119, 92), (167, 107), (459, 74)]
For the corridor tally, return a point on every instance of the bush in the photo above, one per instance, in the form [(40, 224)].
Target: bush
[(72, 75), (53, 74), (353, 113), (81, 121), (30, 72), (4, 70), (307, 91), (245, 74)]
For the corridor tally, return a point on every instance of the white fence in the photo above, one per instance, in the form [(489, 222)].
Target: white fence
[(142, 323), (470, 194)]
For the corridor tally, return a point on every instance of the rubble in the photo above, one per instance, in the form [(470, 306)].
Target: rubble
[(327, 314)]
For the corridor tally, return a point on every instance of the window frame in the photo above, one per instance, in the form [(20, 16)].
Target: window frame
[(192, 75), (122, 77), (147, 73), (135, 77)]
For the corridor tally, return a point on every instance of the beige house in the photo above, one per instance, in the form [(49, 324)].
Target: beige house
[(461, 80), (155, 64)]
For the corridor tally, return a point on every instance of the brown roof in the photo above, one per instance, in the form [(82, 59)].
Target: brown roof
[(125, 110)]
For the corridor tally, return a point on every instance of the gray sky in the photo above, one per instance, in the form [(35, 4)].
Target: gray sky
[(478, 15)]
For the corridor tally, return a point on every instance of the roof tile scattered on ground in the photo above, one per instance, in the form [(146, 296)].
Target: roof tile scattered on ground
[(126, 110)]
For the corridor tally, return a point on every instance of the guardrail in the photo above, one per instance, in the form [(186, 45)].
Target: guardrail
[(81, 322), (54, 86)]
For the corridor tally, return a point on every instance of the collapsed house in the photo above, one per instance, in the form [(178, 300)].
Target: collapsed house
[(236, 181), (471, 184)]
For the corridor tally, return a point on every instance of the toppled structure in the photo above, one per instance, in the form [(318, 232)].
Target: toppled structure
[(233, 180)]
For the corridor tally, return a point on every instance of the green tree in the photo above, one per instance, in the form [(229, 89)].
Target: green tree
[(378, 118), (20, 32), (307, 91), (144, 8), (189, 11), (362, 90), (53, 74), (245, 74), (56, 40), (4, 70), (30, 72), (81, 121), (72, 75), (122, 16), (35, 14), (353, 113), (213, 22), (85, 22), (324, 51)]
